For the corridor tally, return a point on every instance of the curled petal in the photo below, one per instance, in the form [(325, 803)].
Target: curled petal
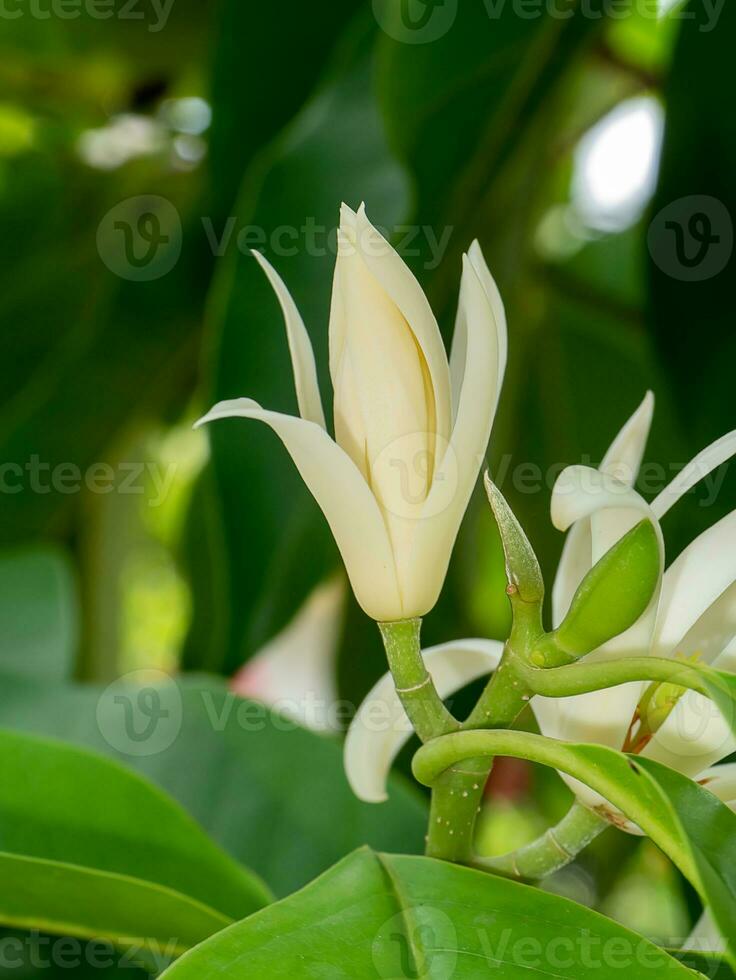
[(697, 610), (345, 499), (300, 349), (437, 527), (695, 471), (381, 728)]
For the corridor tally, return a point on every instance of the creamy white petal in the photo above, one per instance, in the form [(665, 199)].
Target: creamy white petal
[(695, 471), (695, 735), (721, 781), (626, 452), (300, 348), (622, 461), (581, 491), (294, 673), (580, 494), (692, 585), (399, 282), (345, 499), (437, 528), (380, 728), (706, 937), (475, 254)]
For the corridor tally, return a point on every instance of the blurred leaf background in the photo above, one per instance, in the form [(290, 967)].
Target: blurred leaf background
[(563, 136)]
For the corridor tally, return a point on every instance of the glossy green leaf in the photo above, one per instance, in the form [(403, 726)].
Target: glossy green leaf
[(693, 827), (379, 915), (85, 903), (257, 783), (64, 805), (38, 610), (614, 593)]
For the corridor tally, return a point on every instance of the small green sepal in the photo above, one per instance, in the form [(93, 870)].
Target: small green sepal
[(614, 593)]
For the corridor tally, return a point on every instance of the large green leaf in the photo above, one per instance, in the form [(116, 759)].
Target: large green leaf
[(38, 610), (69, 807), (382, 916), (258, 784), (90, 904), (688, 823), (269, 527)]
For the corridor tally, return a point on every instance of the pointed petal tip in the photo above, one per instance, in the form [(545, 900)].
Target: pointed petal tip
[(347, 216)]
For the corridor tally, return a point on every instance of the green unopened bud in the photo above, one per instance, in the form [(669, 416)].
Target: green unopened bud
[(522, 568), (614, 593)]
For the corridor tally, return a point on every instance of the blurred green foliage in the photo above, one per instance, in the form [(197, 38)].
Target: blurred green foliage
[(476, 133)]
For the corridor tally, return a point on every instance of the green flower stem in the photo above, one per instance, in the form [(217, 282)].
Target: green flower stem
[(553, 850), (415, 687), (457, 794), (561, 682)]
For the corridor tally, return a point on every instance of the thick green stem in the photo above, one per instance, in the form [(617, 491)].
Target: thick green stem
[(553, 850), (415, 687), (562, 682), (457, 794)]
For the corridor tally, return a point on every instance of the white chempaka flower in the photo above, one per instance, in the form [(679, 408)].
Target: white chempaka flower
[(411, 429), (692, 615), (295, 672)]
